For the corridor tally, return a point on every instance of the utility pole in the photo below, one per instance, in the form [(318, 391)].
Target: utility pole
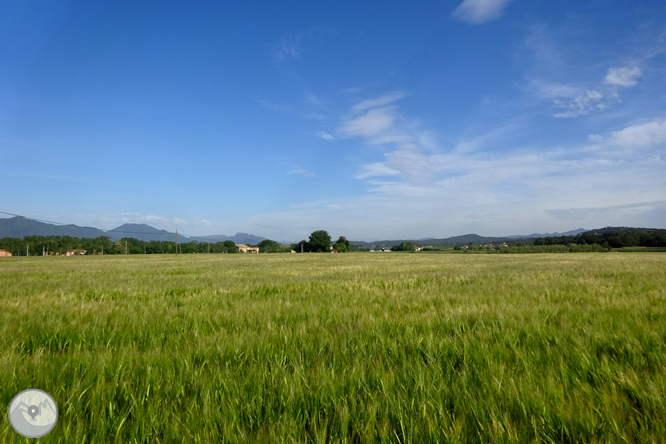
[(176, 241), (27, 250), (102, 248), (43, 252)]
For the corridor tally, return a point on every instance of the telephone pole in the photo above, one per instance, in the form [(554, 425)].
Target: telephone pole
[(176, 241)]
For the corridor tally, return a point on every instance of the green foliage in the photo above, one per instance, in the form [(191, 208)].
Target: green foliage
[(405, 246), (320, 241), (343, 240), (340, 247), (269, 246), (617, 238)]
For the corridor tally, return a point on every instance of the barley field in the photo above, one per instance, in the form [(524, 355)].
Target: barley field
[(349, 348)]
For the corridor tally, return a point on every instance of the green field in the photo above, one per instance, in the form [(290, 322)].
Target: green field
[(339, 348)]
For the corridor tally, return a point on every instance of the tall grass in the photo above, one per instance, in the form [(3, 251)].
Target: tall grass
[(339, 348)]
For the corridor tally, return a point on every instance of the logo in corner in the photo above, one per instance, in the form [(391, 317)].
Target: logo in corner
[(33, 413)]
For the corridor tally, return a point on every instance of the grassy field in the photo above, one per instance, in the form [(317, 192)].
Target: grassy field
[(339, 348)]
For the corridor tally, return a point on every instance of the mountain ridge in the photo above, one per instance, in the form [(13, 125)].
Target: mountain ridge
[(19, 227)]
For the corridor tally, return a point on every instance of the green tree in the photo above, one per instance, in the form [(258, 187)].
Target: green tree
[(343, 240), (230, 246), (340, 247), (269, 246), (320, 241), (404, 246)]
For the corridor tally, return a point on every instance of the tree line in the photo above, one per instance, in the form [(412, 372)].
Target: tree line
[(37, 245), (319, 241), (648, 238)]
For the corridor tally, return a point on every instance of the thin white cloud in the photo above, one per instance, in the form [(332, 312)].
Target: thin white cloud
[(646, 135), (601, 97), (275, 106), (369, 124), (552, 90), (625, 209), (287, 48), (313, 100), (586, 102), (323, 135), (553, 71), (439, 191), (381, 101), (301, 172), (480, 11), (138, 217), (376, 169), (376, 121), (626, 76)]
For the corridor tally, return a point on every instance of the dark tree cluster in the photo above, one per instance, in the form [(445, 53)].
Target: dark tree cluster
[(612, 239), (405, 246), (320, 242), (38, 245)]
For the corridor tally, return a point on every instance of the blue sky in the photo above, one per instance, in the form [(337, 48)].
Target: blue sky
[(366, 119)]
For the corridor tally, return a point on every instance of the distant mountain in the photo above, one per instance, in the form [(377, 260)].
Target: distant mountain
[(533, 235), (238, 238), (143, 232), (621, 230), (20, 227), (465, 239)]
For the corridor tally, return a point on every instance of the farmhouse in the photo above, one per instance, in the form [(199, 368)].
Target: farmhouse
[(5, 253), (76, 252), (242, 248)]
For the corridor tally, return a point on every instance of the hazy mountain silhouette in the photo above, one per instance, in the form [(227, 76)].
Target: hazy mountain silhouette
[(19, 227)]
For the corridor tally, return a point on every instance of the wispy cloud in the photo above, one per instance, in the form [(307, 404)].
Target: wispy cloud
[(287, 48), (376, 169), (323, 135), (137, 217), (381, 101), (586, 102), (376, 121), (275, 106), (297, 171), (625, 76), (645, 135), (601, 97), (371, 123), (480, 11), (557, 74), (625, 209)]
